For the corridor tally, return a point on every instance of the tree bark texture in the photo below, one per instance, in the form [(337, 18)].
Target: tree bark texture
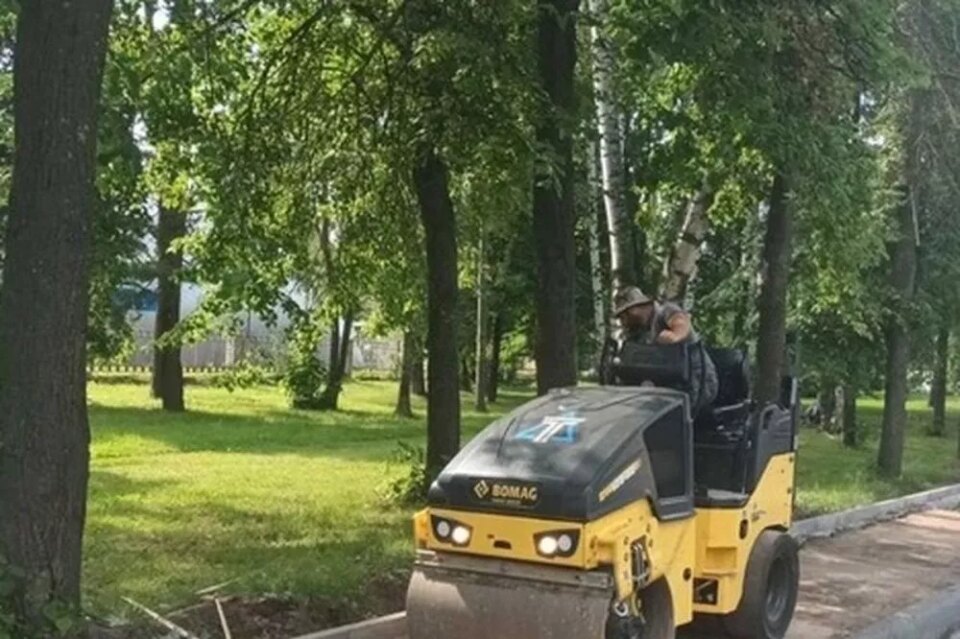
[(493, 378), (851, 437), (443, 375), (167, 364), (466, 373), (681, 268), (938, 389), (623, 260), (417, 382), (44, 459), (553, 203), (903, 267), (772, 334), (337, 369), (480, 386), (404, 407)]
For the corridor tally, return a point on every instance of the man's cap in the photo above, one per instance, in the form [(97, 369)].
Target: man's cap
[(629, 297)]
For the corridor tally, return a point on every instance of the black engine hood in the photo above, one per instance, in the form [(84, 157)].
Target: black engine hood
[(573, 454)]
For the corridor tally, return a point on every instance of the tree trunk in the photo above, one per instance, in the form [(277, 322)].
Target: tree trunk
[(903, 266), (404, 407), (466, 375), (418, 385), (553, 205), (44, 459), (680, 269), (772, 333), (938, 390), (167, 365), (827, 399), (333, 350), (623, 262), (493, 378), (337, 368), (850, 436), (443, 376), (345, 343), (480, 398), (596, 268), (746, 291)]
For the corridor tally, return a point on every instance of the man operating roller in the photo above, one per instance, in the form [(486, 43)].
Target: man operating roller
[(646, 321)]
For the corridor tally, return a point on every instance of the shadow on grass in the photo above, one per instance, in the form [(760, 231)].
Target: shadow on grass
[(357, 434), (160, 556)]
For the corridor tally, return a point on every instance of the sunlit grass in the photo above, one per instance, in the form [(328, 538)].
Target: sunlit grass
[(242, 489), (831, 477)]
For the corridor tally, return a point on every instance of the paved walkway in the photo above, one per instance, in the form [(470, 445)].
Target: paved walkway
[(847, 582), (851, 581)]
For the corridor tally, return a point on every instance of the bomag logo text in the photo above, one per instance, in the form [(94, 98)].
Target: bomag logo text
[(507, 493), (526, 494)]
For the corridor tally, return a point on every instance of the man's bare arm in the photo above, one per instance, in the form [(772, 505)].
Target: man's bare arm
[(678, 329)]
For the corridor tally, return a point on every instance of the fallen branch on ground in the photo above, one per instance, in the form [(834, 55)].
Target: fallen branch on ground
[(223, 619), (163, 621)]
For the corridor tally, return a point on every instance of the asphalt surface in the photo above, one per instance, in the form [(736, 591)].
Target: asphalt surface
[(849, 582)]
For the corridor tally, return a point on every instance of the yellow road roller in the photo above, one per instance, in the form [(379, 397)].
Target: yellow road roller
[(611, 512)]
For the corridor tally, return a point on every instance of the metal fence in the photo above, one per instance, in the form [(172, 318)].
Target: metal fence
[(216, 352)]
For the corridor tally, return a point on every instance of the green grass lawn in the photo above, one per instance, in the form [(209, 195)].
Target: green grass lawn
[(244, 490)]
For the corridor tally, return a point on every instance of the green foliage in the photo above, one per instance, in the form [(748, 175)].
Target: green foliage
[(245, 375), (305, 373), (410, 488), (59, 619)]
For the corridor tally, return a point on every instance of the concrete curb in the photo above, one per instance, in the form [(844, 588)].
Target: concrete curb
[(829, 525), (390, 627), (933, 618)]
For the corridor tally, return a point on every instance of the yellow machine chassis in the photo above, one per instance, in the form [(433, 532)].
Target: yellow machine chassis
[(708, 549)]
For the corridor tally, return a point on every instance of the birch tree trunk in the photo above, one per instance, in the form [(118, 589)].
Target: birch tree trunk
[(623, 259), (596, 268), (681, 268)]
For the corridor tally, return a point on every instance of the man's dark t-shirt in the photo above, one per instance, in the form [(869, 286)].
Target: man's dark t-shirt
[(703, 383)]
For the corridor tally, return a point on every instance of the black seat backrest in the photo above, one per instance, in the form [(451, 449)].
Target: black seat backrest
[(666, 365), (733, 372)]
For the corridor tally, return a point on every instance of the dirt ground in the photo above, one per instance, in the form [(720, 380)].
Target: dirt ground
[(270, 617), (849, 582)]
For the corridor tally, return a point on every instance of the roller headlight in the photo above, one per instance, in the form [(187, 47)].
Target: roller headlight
[(450, 531), (557, 543), (443, 529), (461, 535), (547, 546)]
